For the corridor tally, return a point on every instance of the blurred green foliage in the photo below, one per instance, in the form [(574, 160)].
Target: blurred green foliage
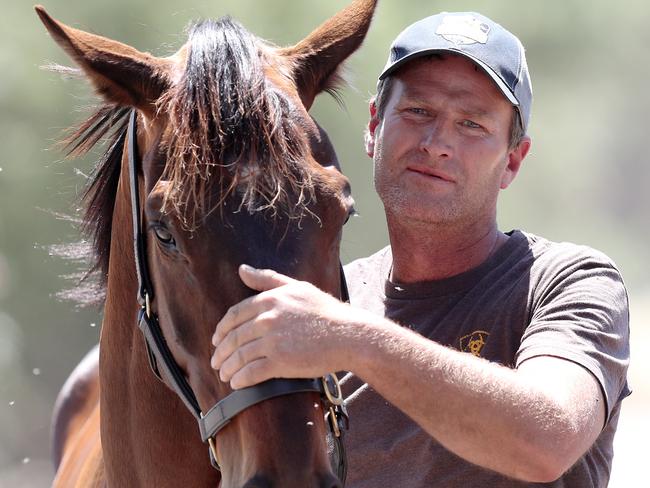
[(585, 180)]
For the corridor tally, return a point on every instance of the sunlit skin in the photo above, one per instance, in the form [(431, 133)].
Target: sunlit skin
[(441, 157)]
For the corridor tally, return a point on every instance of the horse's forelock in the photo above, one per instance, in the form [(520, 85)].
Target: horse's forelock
[(225, 124)]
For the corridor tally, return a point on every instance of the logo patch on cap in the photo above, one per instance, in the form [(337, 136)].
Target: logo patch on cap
[(463, 29)]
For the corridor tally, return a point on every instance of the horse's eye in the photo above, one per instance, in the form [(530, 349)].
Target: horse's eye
[(164, 236), (351, 213)]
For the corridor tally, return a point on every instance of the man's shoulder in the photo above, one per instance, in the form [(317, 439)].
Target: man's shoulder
[(577, 272), (555, 254), (373, 261), (369, 272)]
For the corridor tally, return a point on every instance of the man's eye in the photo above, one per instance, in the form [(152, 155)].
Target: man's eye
[(164, 236), (417, 111), (470, 124)]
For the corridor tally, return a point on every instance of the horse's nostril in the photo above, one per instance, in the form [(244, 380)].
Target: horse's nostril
[(311, 480), (258, 482), (330, 481)]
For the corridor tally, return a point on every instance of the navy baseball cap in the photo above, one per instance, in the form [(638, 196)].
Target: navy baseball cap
[(497, 51)]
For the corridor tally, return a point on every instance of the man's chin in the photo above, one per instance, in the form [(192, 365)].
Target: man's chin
[(417, 215)]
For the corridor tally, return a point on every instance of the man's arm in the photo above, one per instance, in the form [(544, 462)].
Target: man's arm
[(532, 423)]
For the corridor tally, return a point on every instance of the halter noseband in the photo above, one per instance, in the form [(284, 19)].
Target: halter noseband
[(165, 367)]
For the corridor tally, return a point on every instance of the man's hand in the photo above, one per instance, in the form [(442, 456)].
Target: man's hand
[(290, 330)]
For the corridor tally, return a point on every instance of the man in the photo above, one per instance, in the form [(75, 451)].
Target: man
[(479, 358)]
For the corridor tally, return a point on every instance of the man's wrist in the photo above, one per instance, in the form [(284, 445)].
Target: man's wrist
[(369, 338)]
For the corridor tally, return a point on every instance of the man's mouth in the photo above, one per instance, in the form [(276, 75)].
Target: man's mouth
[(430, 172)]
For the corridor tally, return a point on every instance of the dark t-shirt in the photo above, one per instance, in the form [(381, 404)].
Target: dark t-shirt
[(532, 297)]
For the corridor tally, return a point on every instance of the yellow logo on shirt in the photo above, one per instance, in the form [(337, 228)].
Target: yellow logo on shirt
[(474, 342)]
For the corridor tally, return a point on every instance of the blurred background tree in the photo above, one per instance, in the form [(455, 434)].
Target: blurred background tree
[(585, 180)]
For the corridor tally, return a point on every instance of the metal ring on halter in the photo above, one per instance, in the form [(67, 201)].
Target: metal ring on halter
[(147, 305), (213, 449), (335, 398)]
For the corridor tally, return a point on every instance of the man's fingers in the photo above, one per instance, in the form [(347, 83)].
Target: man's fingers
[(257, 279), (262, 279), (238, 314), (239, 336), (240, 358), (253, 373)]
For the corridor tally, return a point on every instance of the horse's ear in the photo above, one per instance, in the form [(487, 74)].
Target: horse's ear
[(317, 57), (121, 74)]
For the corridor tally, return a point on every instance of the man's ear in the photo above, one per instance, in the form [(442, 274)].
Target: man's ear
[(515, 156), (372, 128)]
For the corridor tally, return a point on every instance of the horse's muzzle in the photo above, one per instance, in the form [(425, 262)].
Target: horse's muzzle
[(318, 481)]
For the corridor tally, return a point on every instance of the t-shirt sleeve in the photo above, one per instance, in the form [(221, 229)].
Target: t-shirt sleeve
[(579, 312)]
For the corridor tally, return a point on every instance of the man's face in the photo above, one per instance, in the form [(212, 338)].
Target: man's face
[(441, 149)]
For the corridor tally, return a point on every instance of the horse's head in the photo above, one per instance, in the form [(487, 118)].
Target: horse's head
[(233, 170)]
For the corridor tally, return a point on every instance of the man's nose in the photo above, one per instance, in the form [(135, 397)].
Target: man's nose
[(436, 139)]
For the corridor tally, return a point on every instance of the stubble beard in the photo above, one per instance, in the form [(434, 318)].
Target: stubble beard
[(419, 208), (431, 211)]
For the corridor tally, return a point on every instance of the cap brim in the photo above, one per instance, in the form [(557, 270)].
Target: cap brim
[(495, 77)]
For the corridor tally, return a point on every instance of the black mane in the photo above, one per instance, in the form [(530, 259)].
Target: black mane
[(226, 122)]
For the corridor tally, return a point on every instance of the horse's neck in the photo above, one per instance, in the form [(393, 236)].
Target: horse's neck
[(147, 435)]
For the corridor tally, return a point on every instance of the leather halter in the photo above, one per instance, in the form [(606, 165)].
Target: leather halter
[(165, 367)]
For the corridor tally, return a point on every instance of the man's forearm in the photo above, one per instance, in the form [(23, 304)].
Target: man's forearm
[(490, 415)]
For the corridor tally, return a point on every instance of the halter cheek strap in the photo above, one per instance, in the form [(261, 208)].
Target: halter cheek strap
[(161, 359), (165, 367)]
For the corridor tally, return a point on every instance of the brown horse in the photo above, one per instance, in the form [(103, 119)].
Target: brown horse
[(232, 169)]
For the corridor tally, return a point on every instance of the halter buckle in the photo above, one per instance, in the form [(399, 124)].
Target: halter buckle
[(213, 451), (334, 422)]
